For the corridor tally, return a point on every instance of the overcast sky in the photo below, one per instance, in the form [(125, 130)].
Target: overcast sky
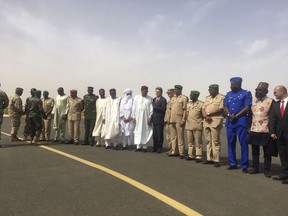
[(129, 43)]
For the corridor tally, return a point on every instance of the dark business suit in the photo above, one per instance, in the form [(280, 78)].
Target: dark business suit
[(279, 126), (159, 109)]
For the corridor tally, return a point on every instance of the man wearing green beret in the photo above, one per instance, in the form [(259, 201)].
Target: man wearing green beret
[(212, 112), (194, 127), (15, 109), (170, 94), (177, 120)]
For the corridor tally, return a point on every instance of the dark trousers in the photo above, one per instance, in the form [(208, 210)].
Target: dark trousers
[(255, 157), (89, 125), (283, 154), (158, 136)]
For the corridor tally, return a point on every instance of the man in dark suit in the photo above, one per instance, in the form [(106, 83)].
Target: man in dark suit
[(159, 109), (278, 128)]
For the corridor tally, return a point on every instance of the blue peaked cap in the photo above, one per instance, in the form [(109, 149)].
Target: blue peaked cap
[(236, 80)]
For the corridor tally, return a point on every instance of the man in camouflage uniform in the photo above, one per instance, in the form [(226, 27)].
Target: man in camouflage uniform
[(212, 112), (27, 104), (15, 109), (34, 114), (194, 127), (89, 115), (177, 120), (4, 102), (48, 104)]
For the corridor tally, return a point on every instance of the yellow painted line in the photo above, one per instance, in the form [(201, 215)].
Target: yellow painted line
[(169, 201)]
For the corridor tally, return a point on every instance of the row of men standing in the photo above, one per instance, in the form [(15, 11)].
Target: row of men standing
[(141, 111)]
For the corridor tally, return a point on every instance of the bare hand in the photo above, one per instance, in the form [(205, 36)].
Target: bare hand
[(273, 136)]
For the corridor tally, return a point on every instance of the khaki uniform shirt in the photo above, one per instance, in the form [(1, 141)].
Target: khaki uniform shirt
[(168, 112), (75, 107), (48, 105), (15, 107), (194, 118), (178, 106), (211, 105)]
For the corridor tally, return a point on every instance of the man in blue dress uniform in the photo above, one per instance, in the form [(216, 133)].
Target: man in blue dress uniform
[(237, 104)]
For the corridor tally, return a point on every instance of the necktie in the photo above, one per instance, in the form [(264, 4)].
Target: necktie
[(282, 108)]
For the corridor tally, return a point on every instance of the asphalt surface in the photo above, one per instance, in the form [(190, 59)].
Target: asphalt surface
[(35, 181)]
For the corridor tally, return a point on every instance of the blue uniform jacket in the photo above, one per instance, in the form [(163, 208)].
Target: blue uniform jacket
[(236, 101)]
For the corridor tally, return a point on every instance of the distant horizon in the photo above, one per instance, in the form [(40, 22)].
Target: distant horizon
[(127, 44)]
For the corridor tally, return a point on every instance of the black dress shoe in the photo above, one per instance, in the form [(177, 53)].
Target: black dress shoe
[(154, 150), (123, 148), (107, 147), (182, 157), (173, 155), (68, 142), (217, 164), (267, 173), (245, 170), (144, 150), (208, 162), (115, 148), (280, 177), (84, 144), (253, 171), (189, 159), (137, 150), (76, 143), (232, 168), (198, 160)]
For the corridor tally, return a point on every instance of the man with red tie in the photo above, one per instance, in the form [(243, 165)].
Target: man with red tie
[(278, 128)]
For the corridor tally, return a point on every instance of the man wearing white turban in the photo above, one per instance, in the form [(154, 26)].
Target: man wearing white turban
[(127, 125)]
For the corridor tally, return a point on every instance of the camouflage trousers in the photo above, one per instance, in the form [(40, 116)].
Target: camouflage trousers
[(34, 125)]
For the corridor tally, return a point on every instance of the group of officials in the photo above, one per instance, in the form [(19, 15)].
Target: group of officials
[(135, 119)]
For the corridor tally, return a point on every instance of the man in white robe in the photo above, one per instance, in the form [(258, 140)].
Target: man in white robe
[(111, 120), (141, 113), (100, 104), (60, 111), (126, 121)]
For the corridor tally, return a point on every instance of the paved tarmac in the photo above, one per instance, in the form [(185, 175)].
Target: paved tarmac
[(36, 181)]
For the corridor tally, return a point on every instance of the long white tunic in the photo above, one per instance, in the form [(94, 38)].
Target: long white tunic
[(142, 110), (59, 110), (111, 111), (126, 112), (100, 104)]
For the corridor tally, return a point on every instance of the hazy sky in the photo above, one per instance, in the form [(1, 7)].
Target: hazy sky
[(128, 43)]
